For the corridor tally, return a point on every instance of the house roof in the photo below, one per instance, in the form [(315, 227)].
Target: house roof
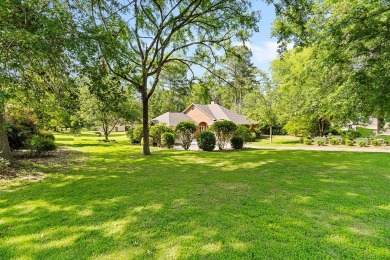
[(171, 118), (218, 112)]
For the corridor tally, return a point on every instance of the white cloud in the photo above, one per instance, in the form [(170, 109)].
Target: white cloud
[(264, 52)]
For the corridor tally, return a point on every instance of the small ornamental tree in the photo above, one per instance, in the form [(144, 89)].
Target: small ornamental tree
[(156, 131), (186, 130), (224, 131)]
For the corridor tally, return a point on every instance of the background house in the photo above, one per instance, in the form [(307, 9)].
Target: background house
[(203, 116)]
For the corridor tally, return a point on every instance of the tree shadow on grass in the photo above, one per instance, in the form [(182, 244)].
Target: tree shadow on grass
[(176, 204)]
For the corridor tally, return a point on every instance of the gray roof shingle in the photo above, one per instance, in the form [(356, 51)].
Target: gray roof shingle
[(171, 118)]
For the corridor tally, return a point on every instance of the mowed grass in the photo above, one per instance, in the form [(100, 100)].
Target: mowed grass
[(109, 202)]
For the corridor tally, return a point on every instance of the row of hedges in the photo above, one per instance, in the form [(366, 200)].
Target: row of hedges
[(362, 142), (223, 132)]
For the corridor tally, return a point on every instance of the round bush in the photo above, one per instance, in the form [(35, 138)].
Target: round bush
[(308, 141), (349, 142), (237, 142), (320, 142), (168, 139), (206, 141), (245, 133), (334, 141), (40, 144), (362, 143), (157, 130), (376, 142)]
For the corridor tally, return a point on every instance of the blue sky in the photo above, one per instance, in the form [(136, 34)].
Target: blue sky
[(264, 48)]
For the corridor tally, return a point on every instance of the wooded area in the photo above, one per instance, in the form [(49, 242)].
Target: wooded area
[(83, 64)]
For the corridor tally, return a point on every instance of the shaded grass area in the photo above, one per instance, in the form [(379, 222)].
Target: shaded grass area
[(110, 202)]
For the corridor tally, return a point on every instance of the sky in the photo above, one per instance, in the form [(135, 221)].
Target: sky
[(264, 48)]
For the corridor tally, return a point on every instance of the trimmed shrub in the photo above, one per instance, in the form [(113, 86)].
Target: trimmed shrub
[(320, 142), (237, 142), (206, 141), (137, 134), (308, 141), (245, 133), (362, 143), (376, 142), (334, 141), (19, 131), (41, 145), (168, 140), (46, 134), (156, 131), (224, 131), (186, 130), (349, 142), (4, 164)]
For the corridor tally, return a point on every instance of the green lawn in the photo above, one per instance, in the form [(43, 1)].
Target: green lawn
[(107, 201)]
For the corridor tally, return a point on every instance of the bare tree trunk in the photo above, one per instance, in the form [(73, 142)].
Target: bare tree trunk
[(270, 134), (5, 149), (379, 122), (145, 124)]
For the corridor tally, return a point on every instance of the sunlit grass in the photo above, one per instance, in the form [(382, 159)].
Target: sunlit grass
[(110, 202)]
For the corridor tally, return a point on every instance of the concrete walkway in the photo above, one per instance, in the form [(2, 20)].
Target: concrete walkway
[(382, 149)]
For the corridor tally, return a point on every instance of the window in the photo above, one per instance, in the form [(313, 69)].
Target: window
[(201, 128)]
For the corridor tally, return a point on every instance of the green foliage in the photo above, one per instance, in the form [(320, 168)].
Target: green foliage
[(186, 130), (320, 142), (4, 164), (308, 141), (334, 141), (245, 133), (137, 136), (237, 142), (41, 145), (21, 127), (349, 142), (156, 131), (224, 131), (206, 141), (46, 134), (364, 132), (376, 142), (168, 140), (362, 143), (350, 134)]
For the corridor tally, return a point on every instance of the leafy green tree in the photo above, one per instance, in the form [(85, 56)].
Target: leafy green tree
[(186, 131), (224, 131), (35, 39), (239, 74), (260, 105), (181, 32), (352, 37)]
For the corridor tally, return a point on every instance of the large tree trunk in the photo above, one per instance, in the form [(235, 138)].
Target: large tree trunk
[(5, 149), (270, 134), (379, 122), (145, 124)]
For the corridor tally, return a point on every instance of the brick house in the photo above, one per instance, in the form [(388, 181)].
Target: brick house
[(203, 116)]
